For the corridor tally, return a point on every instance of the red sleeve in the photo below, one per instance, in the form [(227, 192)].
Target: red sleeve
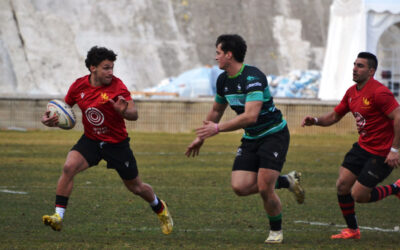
[(343, 107), (69, 98), (122, 90), (125, 93), (385, 100)]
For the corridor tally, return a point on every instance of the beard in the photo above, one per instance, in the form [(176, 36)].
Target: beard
[(106, 81)]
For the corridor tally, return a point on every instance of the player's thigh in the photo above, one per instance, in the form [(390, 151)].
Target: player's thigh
[(360, 192), (243, 180), (75, 163)]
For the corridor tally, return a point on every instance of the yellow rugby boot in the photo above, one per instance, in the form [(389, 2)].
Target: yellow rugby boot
[(54, 221), (166, 220)]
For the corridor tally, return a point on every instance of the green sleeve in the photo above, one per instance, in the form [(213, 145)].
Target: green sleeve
[(221, 100), (254, 96)]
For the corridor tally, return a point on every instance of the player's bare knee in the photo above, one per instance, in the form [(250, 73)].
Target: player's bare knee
[(239, 190), (342, 187), (265, 194), (69, 170)]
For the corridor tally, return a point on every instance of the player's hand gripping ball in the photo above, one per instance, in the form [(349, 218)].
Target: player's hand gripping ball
[(65, 114)]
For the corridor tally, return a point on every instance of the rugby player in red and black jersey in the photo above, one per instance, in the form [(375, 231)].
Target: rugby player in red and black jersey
[(376, 153), (105, 102)]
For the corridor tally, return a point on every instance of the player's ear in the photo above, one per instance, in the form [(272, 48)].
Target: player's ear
[(372, 71), (92, 68)]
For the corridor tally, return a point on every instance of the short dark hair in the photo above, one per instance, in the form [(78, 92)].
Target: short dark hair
[(233, 43), (98, 54), (372, 61)]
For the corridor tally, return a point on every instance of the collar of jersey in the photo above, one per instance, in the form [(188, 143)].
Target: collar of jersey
[(238, 73)]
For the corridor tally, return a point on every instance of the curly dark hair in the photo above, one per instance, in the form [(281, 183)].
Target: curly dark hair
[(98, 54), (233, 43)]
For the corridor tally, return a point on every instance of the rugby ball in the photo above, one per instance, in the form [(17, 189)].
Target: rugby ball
[(65, 114)]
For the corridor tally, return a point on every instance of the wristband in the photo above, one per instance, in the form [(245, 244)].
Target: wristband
[(394, 150), (316, 120), (216, 128)]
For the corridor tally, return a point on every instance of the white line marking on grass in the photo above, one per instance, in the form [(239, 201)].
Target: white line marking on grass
[(142, 229), (180, 153), (206, 230), (12, 192), (314, 223)]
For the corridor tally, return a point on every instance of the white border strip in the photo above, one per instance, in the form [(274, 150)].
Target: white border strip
[(314, 223)]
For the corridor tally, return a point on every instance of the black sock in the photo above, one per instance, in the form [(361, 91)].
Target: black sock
[(61, 201), (346, 204), (158, 208), (275, 222), (378, 193), (282, 182)]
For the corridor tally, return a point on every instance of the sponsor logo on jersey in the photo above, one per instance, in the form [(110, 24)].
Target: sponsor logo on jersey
[(360, 123), (104, 98), (251, 78), (256, 84), (82, 95), (366, 103), (94, 116), (226, 89)]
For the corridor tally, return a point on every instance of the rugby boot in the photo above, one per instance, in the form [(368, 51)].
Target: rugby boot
[(295, 187), (348, 233), (274, 237), (54, 221), (166, 220)]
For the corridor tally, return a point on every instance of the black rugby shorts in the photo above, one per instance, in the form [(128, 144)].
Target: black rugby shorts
[(370, 169), (118, 156), (267, 152)]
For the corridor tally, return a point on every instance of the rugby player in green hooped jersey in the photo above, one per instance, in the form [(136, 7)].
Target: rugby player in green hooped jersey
[(260, 158)]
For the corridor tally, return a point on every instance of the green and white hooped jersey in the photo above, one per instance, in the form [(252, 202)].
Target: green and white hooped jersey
[(250, 84)]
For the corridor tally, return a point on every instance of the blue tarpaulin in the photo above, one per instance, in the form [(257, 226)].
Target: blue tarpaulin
[(201, 82)]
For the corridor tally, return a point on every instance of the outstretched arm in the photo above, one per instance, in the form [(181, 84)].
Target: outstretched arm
[(214, 115), (393, 158), (216, 112), (324, 120), (248, 117), (194, 148)]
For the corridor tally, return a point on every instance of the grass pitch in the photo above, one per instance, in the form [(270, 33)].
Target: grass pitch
[(102, 214)]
